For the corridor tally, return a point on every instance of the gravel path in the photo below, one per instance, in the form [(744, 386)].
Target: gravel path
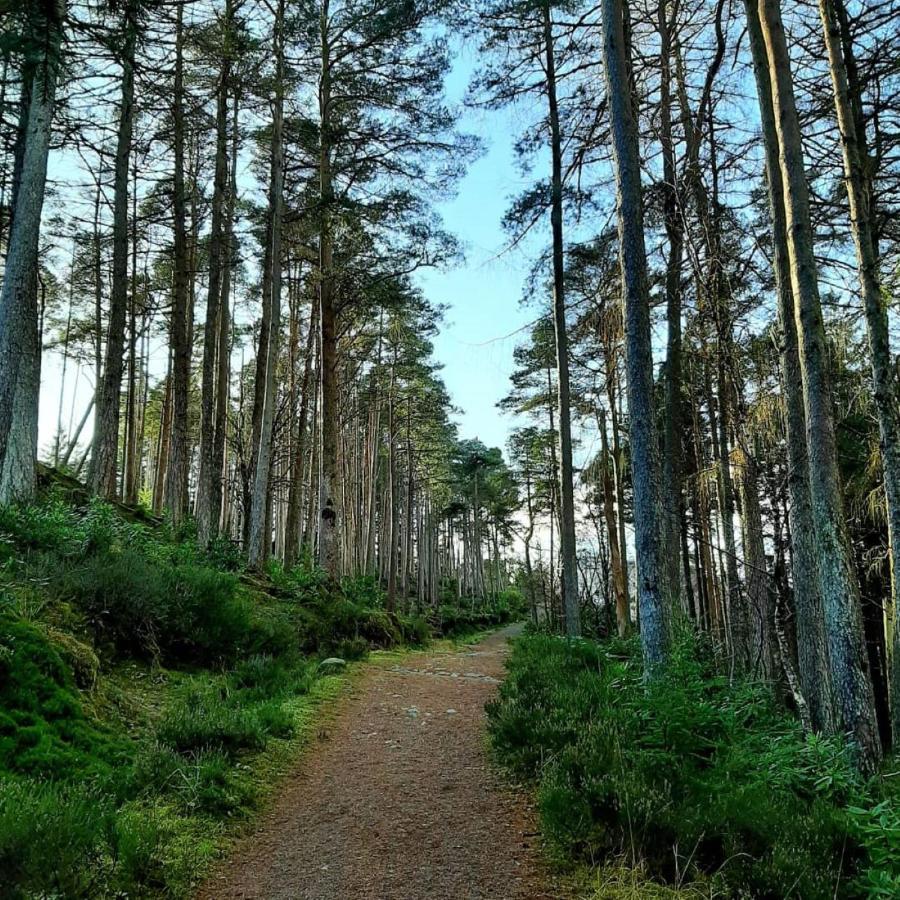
[(397, 800)]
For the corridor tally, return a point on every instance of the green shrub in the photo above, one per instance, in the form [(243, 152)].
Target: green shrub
[(262, 677), (154, 609), (207, 717), (46, 526), (877, 828), (458, 621), (692, 775)]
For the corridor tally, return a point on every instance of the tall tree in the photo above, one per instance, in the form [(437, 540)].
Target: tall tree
[(862, 226), (19, 337), (102, 474), (815, 674), (180, 325), (259, 536), (653, 602), (837, 577)]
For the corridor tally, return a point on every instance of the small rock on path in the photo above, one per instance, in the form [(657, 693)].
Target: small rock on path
[(391, 805)]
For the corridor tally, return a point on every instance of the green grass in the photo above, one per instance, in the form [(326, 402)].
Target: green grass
[(693, 779)]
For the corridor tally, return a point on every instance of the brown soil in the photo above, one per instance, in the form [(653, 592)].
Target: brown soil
[(397, 800)]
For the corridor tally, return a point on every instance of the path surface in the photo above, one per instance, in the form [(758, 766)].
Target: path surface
[(397, 801)]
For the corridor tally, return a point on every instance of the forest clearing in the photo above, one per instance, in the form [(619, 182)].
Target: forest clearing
[(449, 448)]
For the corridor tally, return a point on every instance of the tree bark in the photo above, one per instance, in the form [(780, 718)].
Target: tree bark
[(19, 336), (178, 457), (259, 537), (329, 488), (884, 372), (102, 474), (208, 511), (652, 598), (571, 606), (812, 655), (838, 582)]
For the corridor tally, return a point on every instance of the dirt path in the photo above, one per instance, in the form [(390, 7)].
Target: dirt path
[(397, 801)]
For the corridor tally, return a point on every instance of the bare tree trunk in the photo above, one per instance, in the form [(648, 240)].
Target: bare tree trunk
[(392, 495), (620, 576), (102, 474), (329, 488), (571, 605), (760, 597), (259, 536), (884, 372), (178, 458), (674, 225), (652, 599), (838, 582), (131, 466), (812, 653), (20, 342), (208, 512), (295, 493)]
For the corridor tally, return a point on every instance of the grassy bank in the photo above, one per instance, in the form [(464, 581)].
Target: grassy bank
[(151, 692), (691, 781)]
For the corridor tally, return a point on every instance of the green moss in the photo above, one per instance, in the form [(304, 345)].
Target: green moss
[(43, 728)]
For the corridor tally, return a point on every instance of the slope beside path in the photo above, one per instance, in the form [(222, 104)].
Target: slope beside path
[(397, 800)]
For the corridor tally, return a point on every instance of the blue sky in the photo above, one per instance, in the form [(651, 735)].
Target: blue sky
[(485, 316)]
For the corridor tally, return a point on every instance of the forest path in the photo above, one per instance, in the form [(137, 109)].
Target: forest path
[(397, 800)]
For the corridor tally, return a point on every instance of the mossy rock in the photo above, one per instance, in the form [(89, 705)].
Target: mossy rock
[(79, 655), (43, 728)]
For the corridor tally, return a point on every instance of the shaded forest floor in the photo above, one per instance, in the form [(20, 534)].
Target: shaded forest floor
[(398, 799)]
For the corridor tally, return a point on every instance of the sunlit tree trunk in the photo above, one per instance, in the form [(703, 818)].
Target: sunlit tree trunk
[(838, 582), (648, 523), (812, 653)]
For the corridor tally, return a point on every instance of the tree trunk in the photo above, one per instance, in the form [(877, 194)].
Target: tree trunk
[(814, 671), (259, 536), (838, 582), (208, 511), (570, 599), (674, 226), (884, 372), (329, 526), (652, 599), (19, 337), (760, 596), (620, 576), (102, 474), (178, 457), (295, 492)]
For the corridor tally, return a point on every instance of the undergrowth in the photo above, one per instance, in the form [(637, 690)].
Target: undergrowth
[(690, 777), (151, 692)]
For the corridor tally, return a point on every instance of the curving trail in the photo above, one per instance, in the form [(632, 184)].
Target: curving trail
[(397, 801)]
